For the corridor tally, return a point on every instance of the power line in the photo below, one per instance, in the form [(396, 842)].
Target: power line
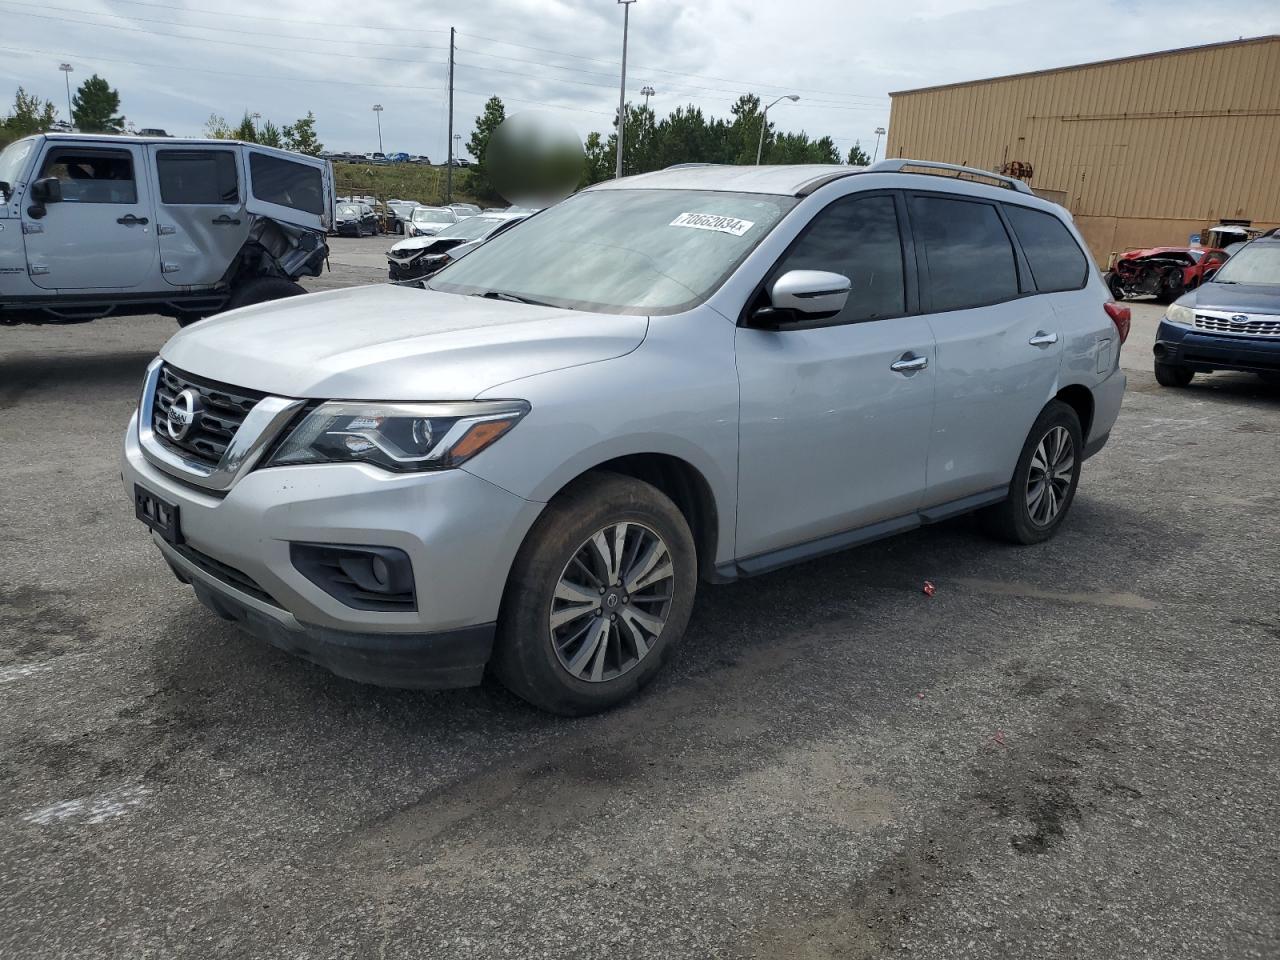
[(193, 26)]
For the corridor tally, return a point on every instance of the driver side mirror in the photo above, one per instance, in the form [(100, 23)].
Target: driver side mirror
[(43, 191), (800, 295)]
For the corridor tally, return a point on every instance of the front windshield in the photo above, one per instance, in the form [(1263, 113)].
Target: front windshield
[(423, 215), (347, 210), (12, 160), (472, 228), (621, 251), (1252, 263)]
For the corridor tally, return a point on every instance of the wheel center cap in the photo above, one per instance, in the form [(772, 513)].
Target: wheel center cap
[(612, 600)]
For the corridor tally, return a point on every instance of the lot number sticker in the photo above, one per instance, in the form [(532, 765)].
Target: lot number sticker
[(709, 221)]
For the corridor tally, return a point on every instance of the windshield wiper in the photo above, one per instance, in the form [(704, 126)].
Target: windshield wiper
[(511, 298)]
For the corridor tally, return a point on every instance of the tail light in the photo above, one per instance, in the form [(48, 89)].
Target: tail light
[(1120, 316)]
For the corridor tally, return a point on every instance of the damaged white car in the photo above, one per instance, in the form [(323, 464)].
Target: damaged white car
[(95, 226)]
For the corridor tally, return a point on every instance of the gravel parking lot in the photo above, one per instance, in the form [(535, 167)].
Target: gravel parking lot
[(1071, 750)]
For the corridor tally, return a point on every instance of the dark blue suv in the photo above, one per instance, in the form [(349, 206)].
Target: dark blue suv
[(1231, 322)]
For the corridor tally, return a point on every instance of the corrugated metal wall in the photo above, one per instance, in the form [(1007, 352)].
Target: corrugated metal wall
[(1146, 150)]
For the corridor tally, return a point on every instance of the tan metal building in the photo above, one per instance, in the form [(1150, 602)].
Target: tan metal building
[(1144, 151)]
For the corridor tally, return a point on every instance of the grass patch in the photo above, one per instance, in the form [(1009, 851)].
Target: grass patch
[(403, 181)]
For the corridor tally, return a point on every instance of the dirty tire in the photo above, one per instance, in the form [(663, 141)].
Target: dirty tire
[(1172, 286), (1173, 375), (1011, 520), (1116, 287), (262, 289), (525, 659)]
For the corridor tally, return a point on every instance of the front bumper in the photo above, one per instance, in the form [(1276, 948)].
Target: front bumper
[(1205, 352), (460, 532)]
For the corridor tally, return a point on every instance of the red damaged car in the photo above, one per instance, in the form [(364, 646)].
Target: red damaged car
[(1165, 273)]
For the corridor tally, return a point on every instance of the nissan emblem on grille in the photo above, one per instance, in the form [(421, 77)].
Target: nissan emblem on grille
[(184, 414)]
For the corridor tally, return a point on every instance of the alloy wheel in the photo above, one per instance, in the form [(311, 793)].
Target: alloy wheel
[(611, 602), (1049, 477)]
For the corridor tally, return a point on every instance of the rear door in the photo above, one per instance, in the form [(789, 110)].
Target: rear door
[(290, 187), (200, 218), (999, 344), (100, 236)]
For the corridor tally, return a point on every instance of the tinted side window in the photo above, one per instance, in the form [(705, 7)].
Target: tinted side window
[(92, 176), (968, 250), (856, 237), (1056, 260), (289, 184), (197, 176)]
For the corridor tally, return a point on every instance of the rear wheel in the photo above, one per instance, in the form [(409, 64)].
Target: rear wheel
[(1173, 374), (262, 289), (598, 596), (1116, 287), (1172, 286), (1044, 481)]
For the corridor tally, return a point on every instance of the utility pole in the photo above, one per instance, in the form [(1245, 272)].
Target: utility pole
[(622, 92), (377, 112), (66, 69), (448, 174)]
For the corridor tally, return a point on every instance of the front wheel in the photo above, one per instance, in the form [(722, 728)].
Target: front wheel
[(1116, 287), (1044, 481), (599, 595), (1173, 375)]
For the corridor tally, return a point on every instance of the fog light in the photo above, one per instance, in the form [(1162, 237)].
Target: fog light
[(367, 578)]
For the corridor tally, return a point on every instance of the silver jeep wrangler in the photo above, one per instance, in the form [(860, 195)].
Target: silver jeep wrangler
[(94, 226)]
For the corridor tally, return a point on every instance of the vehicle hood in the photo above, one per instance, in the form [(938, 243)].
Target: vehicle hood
[(388, 342), (414, 244), (1244, 297)]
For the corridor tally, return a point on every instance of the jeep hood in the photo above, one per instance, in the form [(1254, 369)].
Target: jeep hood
[(388, 342)]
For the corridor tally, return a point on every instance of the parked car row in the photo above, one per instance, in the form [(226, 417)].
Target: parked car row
[(419, 257)]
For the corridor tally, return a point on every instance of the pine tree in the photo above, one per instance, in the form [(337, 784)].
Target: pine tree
[(246, 131), (478, 145), (269, 135), (857, 156), (301, 136), (93, 110)]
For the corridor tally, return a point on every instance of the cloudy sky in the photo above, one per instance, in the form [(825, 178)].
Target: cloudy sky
[(177, 62)]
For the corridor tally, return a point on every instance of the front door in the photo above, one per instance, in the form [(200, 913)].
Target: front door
[(200, 218), (101, 235), (835, 415), (999, 344)]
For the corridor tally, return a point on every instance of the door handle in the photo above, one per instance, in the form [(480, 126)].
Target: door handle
[(224, 221), (909, 363), (132, 221), (1042, 339)]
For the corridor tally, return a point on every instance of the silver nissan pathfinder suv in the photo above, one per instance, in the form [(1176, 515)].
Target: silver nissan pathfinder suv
[(703, 373)]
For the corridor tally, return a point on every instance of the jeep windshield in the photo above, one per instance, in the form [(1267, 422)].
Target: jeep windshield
[(621, 251), (12, 159), (1253, 263)]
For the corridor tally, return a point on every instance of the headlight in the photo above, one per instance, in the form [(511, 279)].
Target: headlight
[(404, 437), (1179, 314)]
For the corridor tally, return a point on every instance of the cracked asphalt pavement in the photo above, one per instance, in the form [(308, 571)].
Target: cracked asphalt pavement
[(1070, 750)]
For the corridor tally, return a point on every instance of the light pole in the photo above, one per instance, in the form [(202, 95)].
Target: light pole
[(647, 91), (457, 145), (764, 122), (66, 68), (879, 134), (377, 112), (622, 92)]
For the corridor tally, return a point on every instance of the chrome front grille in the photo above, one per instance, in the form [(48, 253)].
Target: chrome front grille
[(1253, 325), (223, 410)]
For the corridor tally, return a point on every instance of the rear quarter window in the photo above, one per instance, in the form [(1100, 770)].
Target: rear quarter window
[(286, 183), (1056, 260)]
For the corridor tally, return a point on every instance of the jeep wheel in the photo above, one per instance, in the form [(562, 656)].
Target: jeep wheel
[(1173, 374), (262, 289), (1044, 481), (598, 596)]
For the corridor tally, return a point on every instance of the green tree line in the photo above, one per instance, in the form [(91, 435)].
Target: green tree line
[(299, 136), (93, 110)]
